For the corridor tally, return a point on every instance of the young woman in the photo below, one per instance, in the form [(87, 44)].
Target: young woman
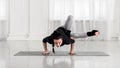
[(63, 36)]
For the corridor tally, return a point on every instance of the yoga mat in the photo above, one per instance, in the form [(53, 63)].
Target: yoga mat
[(61, 53)]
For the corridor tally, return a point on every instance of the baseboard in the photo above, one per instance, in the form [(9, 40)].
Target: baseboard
[(25, 37), (17, 37), (3, 39)]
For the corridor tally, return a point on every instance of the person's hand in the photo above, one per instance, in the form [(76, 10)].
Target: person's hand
[(72, 53), (45, 53)]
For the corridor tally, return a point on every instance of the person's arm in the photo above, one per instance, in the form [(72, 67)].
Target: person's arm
[(45, 47), (72, 49), (45, 40), (72, 46)]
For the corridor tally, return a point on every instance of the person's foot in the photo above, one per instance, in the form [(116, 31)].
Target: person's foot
[(97, 34), (93, 33)]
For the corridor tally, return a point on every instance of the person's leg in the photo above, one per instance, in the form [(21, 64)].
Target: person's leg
[(68, 23), (79, 35), (84, 35)]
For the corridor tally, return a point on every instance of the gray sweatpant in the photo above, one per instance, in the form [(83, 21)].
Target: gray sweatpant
[(68, 25)]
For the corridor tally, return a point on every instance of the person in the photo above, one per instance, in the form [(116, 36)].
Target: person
[(63, 36)]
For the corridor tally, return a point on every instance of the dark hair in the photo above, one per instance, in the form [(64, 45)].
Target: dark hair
[(57, 35)]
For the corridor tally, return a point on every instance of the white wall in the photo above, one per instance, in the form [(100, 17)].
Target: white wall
[(28, 19), (3, 29), (3, 19), (113, 24), (38, 18), (116, 22)]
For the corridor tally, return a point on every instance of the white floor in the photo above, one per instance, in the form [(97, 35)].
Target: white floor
[(9, 48)]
